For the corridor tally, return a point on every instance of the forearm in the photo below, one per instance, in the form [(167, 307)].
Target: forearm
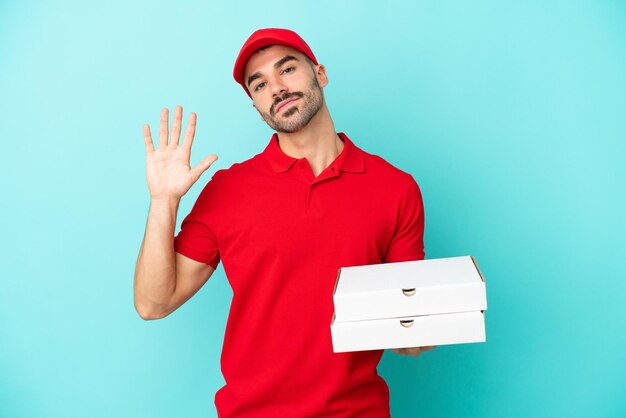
[(155, 272)]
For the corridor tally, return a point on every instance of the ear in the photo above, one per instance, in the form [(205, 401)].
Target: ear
[(322, 77)]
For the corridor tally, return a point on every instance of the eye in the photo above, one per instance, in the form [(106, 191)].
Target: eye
[(259, 86), (289, 70)]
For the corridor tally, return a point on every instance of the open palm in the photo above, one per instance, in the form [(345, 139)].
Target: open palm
[(168, 171)]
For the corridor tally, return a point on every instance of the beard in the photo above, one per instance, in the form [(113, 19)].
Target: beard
[(296, 118)]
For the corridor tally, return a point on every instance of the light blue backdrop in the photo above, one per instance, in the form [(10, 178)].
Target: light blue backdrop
[(510, 115)]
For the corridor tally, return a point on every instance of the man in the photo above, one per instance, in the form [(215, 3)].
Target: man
[(282, 223)]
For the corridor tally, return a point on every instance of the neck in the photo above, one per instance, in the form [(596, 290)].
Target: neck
[(317, 142)]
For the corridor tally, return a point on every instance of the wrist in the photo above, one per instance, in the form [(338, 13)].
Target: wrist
[(164, 201)]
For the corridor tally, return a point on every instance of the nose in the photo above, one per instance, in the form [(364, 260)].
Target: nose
[(278, 87)]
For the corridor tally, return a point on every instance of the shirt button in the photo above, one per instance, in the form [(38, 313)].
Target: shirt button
[(333, 169)]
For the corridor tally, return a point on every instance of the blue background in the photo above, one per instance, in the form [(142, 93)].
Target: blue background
[(510, 115)]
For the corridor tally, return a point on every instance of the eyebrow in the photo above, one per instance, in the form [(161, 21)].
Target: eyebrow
[(277, 64)]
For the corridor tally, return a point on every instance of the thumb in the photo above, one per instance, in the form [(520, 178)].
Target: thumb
[(203, 166)]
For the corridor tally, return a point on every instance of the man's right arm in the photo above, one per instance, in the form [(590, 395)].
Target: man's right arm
[(164, 279)]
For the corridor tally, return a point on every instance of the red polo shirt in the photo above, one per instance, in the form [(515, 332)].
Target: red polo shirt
[(281, 235)]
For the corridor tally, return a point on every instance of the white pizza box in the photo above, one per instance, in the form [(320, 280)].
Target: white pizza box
[(416, 331), (409, 288)]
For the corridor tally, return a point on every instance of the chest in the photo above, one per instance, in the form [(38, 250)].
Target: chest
[(346, 216)]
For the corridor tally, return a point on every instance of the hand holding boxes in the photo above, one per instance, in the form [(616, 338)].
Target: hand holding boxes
[(409, 304)]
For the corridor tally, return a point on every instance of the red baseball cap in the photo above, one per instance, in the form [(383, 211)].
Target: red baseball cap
[(265, 37)]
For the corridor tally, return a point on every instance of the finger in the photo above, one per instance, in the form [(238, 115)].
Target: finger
[(165, 114), (202, 166), (147, 139), (409, 351), (413, 351), (190, 132), (175, 135)]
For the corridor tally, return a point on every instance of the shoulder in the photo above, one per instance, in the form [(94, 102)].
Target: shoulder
[(398, 187), (228, 181), (237, 171), (388, 174)]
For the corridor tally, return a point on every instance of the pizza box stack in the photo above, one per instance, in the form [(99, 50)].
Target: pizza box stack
[(409, 304)]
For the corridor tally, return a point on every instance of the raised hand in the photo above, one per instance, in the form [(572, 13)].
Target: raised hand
[(168, 171)]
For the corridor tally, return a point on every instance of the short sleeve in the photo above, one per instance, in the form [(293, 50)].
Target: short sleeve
[(407, 243), (196, 238)]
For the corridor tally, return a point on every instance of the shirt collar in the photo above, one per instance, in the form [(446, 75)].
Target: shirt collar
[(349, 160)]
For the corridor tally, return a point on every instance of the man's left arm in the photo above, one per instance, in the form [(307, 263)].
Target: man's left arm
[(407, 243)]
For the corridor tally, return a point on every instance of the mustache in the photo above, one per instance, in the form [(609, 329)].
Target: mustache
[(284, 97)]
